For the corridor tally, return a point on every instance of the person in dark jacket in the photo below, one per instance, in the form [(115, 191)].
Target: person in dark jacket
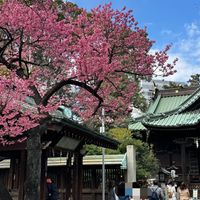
[(155, 192), (52, 192), (112, 191)]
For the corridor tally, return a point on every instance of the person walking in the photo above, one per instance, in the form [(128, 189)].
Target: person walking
[(163, 186), (155, 192), (171, 190), (112, 191), (52, 192), (183, 192)]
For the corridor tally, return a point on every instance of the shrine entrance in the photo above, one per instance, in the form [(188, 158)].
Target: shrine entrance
[(64, 138)]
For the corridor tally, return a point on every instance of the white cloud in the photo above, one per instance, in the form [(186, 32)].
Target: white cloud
[(187, 50), (184, 69), (189, 46), (192, 29)]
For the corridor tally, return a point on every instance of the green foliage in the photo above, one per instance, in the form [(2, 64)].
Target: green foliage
[(139, 101), (124, 136), (147, 164), (93, 150), (194, 80), (173, 85)]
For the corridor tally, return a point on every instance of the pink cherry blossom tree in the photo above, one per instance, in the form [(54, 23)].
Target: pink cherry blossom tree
[(83, 62)]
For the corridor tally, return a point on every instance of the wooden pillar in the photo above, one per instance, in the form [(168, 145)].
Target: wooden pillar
[(94, 177), (43, 175), (80, 169), (182, 143), (77, 174), (62, 183), (75, 178), (11, 175), (183, 161), (68, 176), (17, 171), (22, 173), (94, 182)]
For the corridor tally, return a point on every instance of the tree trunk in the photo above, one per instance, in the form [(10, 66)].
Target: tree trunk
[(4, 194), (33, 173)]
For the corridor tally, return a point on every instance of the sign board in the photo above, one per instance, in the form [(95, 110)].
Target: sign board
[(195, 194)]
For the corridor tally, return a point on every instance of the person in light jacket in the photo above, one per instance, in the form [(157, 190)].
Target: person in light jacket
[(171, 190), (183, 192)]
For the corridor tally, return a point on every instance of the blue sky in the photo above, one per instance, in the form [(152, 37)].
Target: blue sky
[(175, 22)]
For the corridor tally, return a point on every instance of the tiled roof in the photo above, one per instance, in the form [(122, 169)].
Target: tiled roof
[(169, 100), (190, 100), (169, 103), (172, 111), (116, 159), (175, 120), (136, 126)]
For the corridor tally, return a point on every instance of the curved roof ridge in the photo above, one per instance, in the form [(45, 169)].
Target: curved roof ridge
[(189, 101), (177, 120), (182, 107), (180, 116)]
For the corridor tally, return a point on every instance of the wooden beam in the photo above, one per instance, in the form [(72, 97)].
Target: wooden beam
[(13, 147)]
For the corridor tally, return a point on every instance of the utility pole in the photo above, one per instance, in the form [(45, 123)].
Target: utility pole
[(102, 131)]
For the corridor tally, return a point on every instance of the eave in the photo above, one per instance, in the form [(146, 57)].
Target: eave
[(72, 129), (185, 112)]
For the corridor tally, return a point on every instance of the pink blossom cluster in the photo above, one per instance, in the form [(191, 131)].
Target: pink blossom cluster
[(82, 62)]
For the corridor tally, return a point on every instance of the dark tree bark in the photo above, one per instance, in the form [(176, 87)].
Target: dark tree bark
[(4, 194), (33, 173)]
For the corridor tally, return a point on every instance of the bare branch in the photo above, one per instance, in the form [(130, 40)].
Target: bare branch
[(63, 83)]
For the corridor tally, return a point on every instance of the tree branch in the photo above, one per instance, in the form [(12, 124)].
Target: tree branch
[(20, 49), (9, 41), (63, 83)]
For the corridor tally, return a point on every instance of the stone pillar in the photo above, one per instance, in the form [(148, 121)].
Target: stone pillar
[(131, 163)]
